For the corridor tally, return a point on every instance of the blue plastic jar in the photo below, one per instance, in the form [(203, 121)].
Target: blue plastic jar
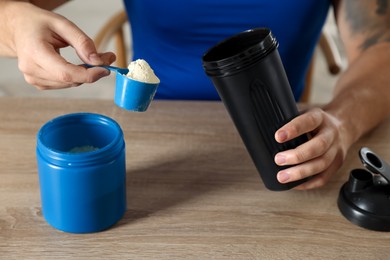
[(82, 191)]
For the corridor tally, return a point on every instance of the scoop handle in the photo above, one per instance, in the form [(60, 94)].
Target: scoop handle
[(123, 71)]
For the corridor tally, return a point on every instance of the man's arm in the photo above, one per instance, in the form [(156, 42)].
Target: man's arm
[(363, 24), (362, 95), (361, 98)]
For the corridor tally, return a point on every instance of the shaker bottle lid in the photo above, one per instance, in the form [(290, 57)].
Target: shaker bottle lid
[(364, 198), (238, 52)]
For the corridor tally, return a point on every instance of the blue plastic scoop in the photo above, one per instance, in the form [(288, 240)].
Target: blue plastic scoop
[(130, 94)]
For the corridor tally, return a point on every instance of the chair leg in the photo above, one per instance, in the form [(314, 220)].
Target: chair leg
[(331, 53), (121, 49), (113, 28)]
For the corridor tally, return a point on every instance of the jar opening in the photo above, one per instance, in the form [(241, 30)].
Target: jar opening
[(80, 137), (77, 134)]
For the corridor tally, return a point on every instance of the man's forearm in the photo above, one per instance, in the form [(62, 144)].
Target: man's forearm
[(6, 37), (362, 94)]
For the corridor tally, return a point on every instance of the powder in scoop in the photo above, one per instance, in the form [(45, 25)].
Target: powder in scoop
[(141, 71)]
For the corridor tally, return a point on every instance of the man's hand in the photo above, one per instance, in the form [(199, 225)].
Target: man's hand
[(35, 36)]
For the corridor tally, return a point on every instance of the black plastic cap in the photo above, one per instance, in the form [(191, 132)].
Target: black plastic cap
[(365, 198)]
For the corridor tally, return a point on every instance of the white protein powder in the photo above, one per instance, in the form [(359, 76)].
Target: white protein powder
[(83, 149), (141, 71)]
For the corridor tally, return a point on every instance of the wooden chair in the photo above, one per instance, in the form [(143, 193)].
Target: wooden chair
[(333, 60), (114, 29)]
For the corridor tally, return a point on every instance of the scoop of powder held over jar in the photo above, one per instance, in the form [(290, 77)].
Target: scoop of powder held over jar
[(141, 71)]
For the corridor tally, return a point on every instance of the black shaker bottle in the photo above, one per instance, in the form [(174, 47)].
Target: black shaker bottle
[(249, 76)]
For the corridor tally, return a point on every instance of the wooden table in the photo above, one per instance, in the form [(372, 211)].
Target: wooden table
[(192, 191)]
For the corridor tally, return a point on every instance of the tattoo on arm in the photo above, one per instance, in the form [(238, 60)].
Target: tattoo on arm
[(382, 7), (370, 19)]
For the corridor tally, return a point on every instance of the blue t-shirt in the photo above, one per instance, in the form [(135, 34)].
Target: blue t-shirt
[(173, 35)]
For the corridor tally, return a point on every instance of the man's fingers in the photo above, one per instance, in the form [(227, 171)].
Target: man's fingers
[(83, 45), (300, 125), (44, 83)]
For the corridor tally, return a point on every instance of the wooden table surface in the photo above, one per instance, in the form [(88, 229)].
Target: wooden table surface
[(192, 192)]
